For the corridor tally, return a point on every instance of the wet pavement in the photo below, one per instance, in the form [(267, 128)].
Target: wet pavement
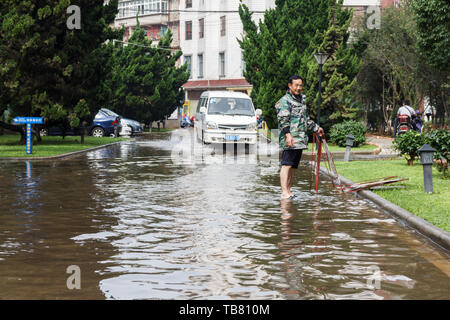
[(167, 218)]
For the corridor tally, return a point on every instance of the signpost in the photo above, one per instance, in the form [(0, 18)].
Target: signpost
[(29, 121)]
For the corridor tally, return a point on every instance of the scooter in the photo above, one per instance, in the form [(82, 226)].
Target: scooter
[(186, 122), (404, 124)]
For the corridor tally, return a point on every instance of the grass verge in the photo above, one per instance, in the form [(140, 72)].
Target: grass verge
[(433, 208), (155, 130), (50, 145)]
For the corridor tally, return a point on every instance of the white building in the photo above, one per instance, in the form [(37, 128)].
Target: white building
[(208, 32), (155, 16)]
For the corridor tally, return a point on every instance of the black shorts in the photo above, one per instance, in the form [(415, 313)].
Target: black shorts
[(291, 157)]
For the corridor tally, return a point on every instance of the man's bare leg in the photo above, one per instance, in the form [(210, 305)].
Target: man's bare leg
[(290, 180), (284, 181)]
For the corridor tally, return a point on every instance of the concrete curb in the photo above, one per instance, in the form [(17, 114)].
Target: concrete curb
[(60, 156), (430, 231)]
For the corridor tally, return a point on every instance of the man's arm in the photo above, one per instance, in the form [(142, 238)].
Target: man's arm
[(284, 116), (284, 120)]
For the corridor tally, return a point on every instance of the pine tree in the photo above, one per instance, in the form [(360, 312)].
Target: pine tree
[(146, 82), (281, 46), (339, 71), (48, 69)]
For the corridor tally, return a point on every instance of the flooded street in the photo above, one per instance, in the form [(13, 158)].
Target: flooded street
[(153, 220)]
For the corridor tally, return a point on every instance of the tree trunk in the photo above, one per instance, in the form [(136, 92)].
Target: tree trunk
[(36, 130)]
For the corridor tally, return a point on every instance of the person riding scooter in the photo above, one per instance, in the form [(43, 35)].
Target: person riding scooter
[(405, 114)]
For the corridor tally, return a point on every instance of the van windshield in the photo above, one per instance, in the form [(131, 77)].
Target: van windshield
[(231, 106)]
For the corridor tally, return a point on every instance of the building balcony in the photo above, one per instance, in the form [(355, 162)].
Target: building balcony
[(141, 8)]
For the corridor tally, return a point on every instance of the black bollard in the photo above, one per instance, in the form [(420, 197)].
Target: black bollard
[(426, 159), (349, 145)]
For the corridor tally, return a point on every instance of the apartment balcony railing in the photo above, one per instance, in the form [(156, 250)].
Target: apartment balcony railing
[(129, 9)]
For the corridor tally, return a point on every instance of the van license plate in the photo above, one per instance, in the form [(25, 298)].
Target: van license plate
[(231, 137)]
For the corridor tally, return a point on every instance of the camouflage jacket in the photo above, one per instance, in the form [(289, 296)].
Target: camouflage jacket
[(293, 117)]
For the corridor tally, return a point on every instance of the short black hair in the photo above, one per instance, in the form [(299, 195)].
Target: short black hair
[(406, 102), (295, 77)]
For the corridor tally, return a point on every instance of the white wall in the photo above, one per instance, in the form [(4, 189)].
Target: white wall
[(213, 43)]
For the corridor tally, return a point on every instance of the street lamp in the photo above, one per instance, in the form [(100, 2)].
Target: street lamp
[(349, 145), (426, 159), (321, 58)]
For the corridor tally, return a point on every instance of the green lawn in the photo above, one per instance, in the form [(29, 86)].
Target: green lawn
[(155, 130), (434, 208), (50, 146)]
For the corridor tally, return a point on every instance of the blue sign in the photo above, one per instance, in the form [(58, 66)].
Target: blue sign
[(36, 120), (29, 121), (29, 141)]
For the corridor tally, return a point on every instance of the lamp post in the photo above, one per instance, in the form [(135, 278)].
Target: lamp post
[(426, 159), (349, 145), (321, 58)]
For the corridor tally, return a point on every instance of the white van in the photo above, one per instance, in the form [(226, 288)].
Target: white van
[(226, 117)]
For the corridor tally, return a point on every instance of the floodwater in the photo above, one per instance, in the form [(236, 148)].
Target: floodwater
[(166, 218)]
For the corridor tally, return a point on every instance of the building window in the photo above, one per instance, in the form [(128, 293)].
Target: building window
[(222, 64), (201, 28), (162, 31), (187, 60), (188, 3), (222, 25), (200, 65), (188, 30)]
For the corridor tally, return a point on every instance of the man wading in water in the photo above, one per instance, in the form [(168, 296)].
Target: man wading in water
[(293, 123)]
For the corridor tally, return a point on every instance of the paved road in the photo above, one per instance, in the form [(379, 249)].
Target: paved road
[(384, 142)]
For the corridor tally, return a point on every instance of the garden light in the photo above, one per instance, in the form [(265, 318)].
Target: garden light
[(321, 58), (349, 144), (426, 159)]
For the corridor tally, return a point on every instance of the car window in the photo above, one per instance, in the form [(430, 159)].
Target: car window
[(199, 105), (231, 106), (202, 103), (100, 114), (109, 113)]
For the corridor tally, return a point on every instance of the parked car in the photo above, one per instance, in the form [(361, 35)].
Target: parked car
[(104, 122), (134, 126), (226, 117), (58, 128)]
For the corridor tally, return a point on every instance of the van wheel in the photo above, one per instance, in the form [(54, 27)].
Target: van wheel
[(247, 148)]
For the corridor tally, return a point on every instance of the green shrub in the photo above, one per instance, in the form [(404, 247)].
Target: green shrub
[(340, 131), (440, 140), (408, 144)]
